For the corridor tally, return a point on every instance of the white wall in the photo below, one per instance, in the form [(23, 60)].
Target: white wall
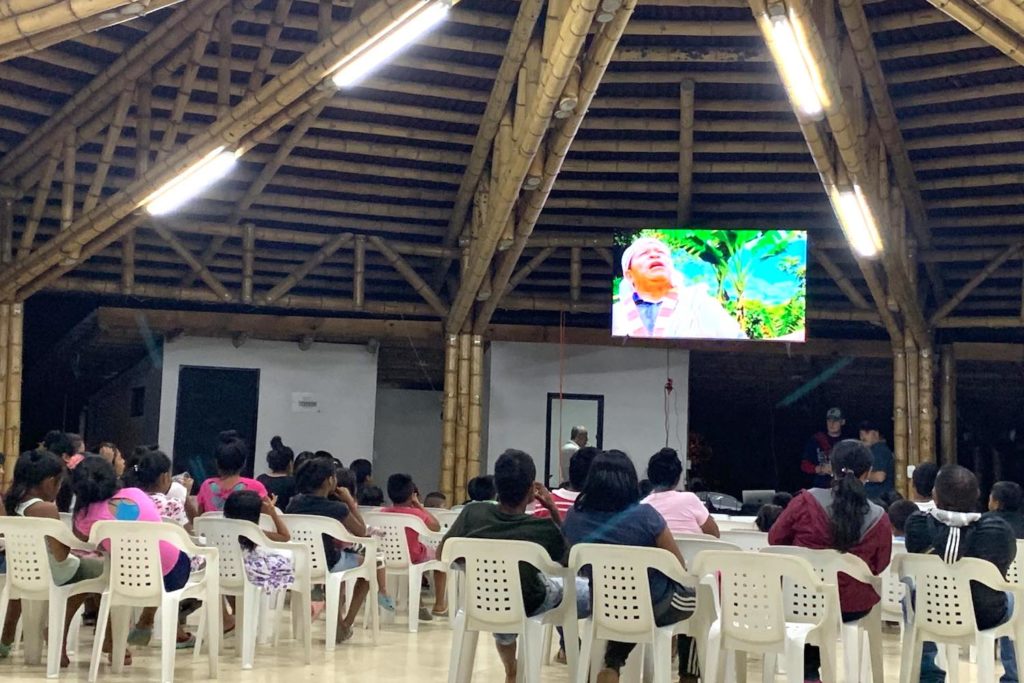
[(343, 377), (407, 437), (109, 409), (631, 380)]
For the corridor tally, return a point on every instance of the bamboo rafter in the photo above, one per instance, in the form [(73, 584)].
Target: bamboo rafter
[(204, 273), (99, 177), (325, 252), (974, 282), (199, 42), (984, 26), (411, 276)]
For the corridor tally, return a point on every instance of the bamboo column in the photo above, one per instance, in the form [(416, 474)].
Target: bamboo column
[(948, 440), (12, 403), (248, 260), (476, 381), (462, 420), (926, 406), (575, 272), (449, 415), (913, 370), (900, 436), (10, 456), (6, 228)]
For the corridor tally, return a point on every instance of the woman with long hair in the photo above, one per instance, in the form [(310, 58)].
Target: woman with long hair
[(841, 518)]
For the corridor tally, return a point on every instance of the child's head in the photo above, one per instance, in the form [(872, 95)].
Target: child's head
[(316, 476), (231, 453), (481, 489), (579, 466), (301, 458), (766, 517), (346, 479), (400, 488), (664, 469), (150, 471), (59, 443), (646, 488), (280, 457), (435, 499), (514, 477), (1005, 496), (38, 471), (371, 496), (363, 469), (782, 499), (244, 505), (899, 512), (923, 479), (94, 480)]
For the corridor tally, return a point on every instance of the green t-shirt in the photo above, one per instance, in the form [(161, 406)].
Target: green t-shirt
[(488, 521)]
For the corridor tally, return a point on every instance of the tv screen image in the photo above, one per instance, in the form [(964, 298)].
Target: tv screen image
[(697, 283)]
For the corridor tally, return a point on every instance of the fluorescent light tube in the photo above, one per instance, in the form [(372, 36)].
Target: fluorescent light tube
[(385, 45), (857, 221), (192, 182), (797, 68)]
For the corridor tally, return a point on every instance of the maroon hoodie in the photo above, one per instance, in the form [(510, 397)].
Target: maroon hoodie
[(806, 523)]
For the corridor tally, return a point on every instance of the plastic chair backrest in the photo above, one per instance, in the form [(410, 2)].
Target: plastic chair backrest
[(692, 545), (135, 569), (893, 590), (446, 518), (620, 589), (394, 547), (266, 521), (942, 594), (28, 558), (223, 534), (310, 530), (751, 589), (804, 604), (747, 539), (493, 596), (1013, 572)]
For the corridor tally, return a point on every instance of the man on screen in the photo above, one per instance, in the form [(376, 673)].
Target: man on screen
[(655, 302)]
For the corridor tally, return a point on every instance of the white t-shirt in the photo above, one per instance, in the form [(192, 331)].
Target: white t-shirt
[(682, 510)]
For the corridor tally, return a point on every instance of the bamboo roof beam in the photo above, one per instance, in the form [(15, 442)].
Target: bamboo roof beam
[(594, 67), (570, 41), (67, 26), (282, 8), (99, 177), (863, 44), (975, 282), (501, 91), (68, 176), (840, 278), (205, 275), (984, 26), (248, 123), (528, 268), (325, 252), (685, 183), (94, 98), (199, 42), (410, 275), (28, 235)]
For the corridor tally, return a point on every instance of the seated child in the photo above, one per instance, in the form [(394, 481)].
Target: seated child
[(363, 471), (766, 517), (899, 512), (150, 470), (405, 500), (481, 490), (279, 482), (231, 456), (270, 570), (371, 496), (436, 499)]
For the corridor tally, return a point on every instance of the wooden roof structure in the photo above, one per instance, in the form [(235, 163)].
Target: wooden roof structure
[(358, 202)]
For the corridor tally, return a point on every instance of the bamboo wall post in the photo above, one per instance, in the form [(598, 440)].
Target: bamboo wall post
[(948, 440), (248, 260), (449, 415), (913, 402), (900, 435), (359, 273), (686, 112), (462, 421), (12, 404), (476, 381), (575, 272), (6, 228), (5, 338), (67, 202), (926, 404), (128, 264)]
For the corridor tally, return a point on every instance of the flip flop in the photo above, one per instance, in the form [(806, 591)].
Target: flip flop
[(188, 642), (140, 637)]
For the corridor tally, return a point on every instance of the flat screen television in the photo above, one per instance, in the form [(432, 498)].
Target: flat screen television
[(701, 283)]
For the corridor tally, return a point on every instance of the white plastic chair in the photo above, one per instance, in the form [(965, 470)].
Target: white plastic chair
[(893, 590), (492, 602), (622, 610), (310, 531), (445, 518), (223, 534), (691, 545), (829, 564), (395, 550), (745, 539), (136, 580), (29, 579), (266, 521), (754, 617), (942, 611)]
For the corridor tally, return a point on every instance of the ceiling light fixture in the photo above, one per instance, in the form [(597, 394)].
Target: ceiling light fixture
[(401, 33), (799, 70), (857, 220), (192, 181)]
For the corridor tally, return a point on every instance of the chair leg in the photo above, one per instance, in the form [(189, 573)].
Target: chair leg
[(874, 626), (828, 661), (463, 652), (582, 672), (250, 625), (910, 666), (986, 664), (768, 667), (740, 658), (333, 588), (953, 663), (168, 639), (661, 655), (570, 630), (794, 656), (120, 621), (32, 618), (55, 639), (214, 628), (73, 631), (415, 583), (102, 619), (713, 661)]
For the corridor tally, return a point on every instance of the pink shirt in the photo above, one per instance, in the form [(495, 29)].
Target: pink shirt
[(212, 493), (682, 510), (563, 500), (146, 512), (417, 551)]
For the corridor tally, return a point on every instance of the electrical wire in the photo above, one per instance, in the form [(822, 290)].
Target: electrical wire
[(419, 361)]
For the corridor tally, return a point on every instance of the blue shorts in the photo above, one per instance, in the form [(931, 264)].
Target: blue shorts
[(346, 561)]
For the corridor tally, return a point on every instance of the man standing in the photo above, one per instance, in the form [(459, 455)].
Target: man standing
[(881, 481), (578, 438), (655, 302), (816, 462)]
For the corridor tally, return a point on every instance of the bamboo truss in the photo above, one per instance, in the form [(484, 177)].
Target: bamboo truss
[(983, 25)]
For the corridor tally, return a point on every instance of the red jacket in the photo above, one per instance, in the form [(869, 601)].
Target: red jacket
[(805, 522)]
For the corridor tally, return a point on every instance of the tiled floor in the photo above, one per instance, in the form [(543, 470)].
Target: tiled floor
[(399, 657)]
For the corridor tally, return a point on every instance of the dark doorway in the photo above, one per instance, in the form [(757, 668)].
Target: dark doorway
[(564, 412), (210, 401)]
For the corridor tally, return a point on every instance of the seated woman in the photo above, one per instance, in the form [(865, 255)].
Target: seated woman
[(99, 497), (38, 476), (232, 454), (608, 510), (683, 511), (840, 517)]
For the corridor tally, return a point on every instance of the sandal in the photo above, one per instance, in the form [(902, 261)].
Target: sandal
[(186, 642), (140, 637)]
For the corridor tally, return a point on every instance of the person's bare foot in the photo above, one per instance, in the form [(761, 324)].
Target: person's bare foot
[(65, 661), (608, 676)]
